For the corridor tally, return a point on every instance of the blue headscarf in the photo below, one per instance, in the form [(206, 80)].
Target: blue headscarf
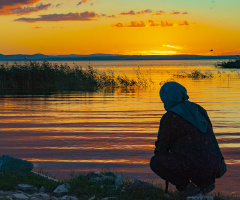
[(175, 99)]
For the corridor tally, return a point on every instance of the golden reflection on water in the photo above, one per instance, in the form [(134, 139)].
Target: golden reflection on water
[(135, 161)]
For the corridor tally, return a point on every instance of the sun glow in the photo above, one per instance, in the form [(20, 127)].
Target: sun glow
[(72, 27), (171, 46), (153, 52)]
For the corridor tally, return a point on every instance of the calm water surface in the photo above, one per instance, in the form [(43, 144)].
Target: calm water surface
[(84, 132)]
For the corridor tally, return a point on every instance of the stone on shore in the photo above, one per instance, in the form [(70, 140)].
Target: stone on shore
[(10, 164), (62, 189), (200, 197), (20, 196), (26, 187)]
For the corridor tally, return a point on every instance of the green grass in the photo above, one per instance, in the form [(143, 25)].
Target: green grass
[(230, 64), (9, 181), (84, 189), (46, 77)]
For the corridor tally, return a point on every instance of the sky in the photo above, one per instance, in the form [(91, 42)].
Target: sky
[(128, 27)]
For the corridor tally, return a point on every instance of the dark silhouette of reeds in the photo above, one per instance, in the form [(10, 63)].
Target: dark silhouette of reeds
[(196, 74), (231, 63), (45, 76)]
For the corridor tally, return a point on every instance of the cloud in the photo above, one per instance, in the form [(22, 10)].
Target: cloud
[(144, 12), (137, 24), (14, 3), (185, 23), (85, 16), (58, 5), (7, 5), (142, 24), (28, 10), (178, 13), (152, 23), (128, 13), (161, 24), (175, 13), (132, 24), (108, 16), (171, 46), (119, 25), (82, 1), (166, 24), (159, 13), (132, 12)]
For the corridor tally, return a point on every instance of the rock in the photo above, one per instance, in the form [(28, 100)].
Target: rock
[(92, 198), (9, 164), (33, 198), (44, 195), (200, 197), (62, 189), (41, 196), (65, 197), (20, 196), (98, 173), (1, 192), (73, 198), (26, 187), (42, 189), (118, 181), (9, 197), (108, 198)]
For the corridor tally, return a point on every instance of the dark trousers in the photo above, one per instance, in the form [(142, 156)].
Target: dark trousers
[(178, 170)]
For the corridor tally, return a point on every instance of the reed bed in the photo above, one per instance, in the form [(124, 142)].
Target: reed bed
[(196, 74), (230, 64), (45, 76)]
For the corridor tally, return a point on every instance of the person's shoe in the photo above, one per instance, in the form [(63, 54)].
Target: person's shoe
[(208, 188), (191, 190)]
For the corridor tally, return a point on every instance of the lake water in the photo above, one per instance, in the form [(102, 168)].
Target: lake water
[(83, 131)]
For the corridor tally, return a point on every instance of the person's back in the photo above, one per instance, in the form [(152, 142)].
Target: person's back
[(186, 148)]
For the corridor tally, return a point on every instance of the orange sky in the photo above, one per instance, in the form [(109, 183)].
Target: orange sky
[(156, 27)]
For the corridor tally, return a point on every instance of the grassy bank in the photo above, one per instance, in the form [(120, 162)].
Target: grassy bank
[(89, 186), (45, 76), (96, 186), (230, 64)]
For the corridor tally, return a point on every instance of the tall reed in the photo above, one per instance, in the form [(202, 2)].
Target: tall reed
[(45, 76)]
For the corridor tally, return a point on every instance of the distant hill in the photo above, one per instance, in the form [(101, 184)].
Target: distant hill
[(74, 57)]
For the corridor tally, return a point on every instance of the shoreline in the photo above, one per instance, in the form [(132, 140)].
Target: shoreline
[(92, 186)]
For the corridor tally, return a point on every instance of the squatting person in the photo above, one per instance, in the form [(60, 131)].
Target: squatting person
[(187, 153)]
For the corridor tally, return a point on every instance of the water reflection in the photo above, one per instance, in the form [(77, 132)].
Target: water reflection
[(87, 131)]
